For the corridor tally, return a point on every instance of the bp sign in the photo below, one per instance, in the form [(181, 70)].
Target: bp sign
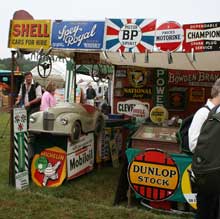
[(130, 35), (153, 174), (169, 36)]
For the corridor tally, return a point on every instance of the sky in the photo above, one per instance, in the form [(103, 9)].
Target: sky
[(181, 11)]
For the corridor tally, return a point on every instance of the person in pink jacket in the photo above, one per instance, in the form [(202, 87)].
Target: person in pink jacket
[(48, 99)]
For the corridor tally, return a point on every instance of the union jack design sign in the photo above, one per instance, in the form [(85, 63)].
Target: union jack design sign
[(129, 35)]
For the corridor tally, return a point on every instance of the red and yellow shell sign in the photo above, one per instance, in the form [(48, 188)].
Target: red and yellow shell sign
[(154, 175), (29, 34), (49, 167)]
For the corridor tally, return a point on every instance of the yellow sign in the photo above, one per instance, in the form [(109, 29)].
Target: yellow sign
[(154, 175), (158, 114), (187, 188), (29, 34)]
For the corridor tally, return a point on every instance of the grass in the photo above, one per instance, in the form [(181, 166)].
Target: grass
[(90, 196)]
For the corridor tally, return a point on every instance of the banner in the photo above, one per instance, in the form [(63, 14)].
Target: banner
[(201, 37), (78, 35), (129, 35), (29, 34), (192, 78)]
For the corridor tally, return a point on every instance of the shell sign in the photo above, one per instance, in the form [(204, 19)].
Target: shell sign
[(29, 34), (48, 168), (154, 175)]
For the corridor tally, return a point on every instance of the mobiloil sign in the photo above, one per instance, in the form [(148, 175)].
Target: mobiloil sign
[(153, 174), (80, 157)]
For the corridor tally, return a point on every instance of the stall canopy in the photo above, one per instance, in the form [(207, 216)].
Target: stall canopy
[(201, 61)]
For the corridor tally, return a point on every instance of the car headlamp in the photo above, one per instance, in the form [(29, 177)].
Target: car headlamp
[(32, 119), (64, 121)]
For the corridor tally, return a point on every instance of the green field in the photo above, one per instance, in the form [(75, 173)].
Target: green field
[(90, 196)]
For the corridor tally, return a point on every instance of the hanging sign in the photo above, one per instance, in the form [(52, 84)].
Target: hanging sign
[(153, 174), (201, 37), (29, 34), (20, 148), (169, 36), (130, 35), (78, 35)]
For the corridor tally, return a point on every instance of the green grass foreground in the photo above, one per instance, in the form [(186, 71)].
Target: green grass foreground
[(90, 196)]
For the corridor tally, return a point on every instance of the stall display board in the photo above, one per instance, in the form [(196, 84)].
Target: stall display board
[(110, 145), (163, 138)]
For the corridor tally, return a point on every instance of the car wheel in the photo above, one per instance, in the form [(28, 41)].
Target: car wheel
[(76, 131), (99, 125)]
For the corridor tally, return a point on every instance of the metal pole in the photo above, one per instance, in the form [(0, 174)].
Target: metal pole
[(11, 159)]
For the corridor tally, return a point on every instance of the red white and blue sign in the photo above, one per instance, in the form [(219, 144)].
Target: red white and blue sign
[(201, 37), (84, 35), (130, 35), (169, 36)]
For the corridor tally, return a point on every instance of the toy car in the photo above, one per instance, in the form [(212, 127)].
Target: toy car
[(67, 119)]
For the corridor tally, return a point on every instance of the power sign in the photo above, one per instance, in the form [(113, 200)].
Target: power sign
[(153, 174), (169, 36)]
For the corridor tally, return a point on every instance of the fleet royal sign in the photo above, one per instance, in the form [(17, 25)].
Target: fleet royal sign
[(78, 35), (130, 35), (201, 37), (29, 34), (153, 174), (169, 36)]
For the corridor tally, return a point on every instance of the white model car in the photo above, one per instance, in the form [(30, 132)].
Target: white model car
[(67, 119)]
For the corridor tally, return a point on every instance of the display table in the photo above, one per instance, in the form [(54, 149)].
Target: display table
[(163, 138)]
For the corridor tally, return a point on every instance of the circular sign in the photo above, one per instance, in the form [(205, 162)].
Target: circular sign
[(158, 114), (188, 188), (130, 35), (153, 174), (140, 111), (169, 36)]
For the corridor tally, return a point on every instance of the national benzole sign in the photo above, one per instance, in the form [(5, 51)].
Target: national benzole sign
[(153, 174)]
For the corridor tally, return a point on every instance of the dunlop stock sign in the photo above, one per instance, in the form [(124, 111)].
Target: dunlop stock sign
[(153, 174)]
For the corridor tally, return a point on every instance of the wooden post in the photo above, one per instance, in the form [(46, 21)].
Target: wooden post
[(11, 158)]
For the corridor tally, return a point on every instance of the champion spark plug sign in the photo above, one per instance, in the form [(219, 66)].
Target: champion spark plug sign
[(201, 37), (130, 35), (169, 36), (154, 175)]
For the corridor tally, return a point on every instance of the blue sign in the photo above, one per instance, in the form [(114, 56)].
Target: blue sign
[(78, 35)]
